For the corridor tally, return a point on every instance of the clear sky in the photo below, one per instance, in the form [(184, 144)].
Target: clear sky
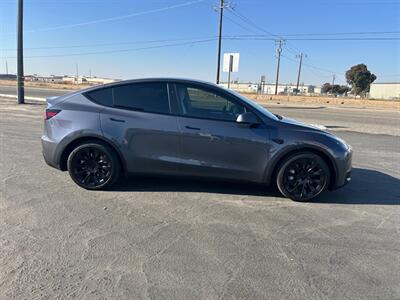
[(132, 34)]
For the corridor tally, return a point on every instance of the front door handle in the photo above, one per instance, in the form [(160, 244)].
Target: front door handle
[(192, 128), (117, 120)]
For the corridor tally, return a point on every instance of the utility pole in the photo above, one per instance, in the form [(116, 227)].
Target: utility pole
[(333, 83), (298, 75), (221, 13), (20, 54), (279, 50), (76, 74)]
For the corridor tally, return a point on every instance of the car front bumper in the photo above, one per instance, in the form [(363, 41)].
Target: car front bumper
[(344, 167)]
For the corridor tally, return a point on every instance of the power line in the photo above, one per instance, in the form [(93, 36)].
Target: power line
[(118, 51), (347, 39), (188, 41), (341, 33), (112, 44), (261, 38), (117, 18), (240, 25), (251, 23), (311, 67), (320, 69), (248, 21), (231, 37)]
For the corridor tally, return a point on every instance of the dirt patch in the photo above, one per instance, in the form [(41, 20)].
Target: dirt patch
[(61, 86), (326, 101)]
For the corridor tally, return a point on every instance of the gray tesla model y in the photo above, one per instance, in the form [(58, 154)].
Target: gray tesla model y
[(190, 128)]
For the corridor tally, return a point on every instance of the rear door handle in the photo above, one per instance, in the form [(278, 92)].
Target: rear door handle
[(192, 128), (117, 120)]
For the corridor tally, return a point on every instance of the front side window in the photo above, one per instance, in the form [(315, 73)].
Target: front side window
[(199, 103), (147, 97)]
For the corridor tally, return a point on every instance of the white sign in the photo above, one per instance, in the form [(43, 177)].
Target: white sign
[(231, 62)]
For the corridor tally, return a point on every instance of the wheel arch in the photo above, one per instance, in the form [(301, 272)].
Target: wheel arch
[(272, 170), (71, 145)]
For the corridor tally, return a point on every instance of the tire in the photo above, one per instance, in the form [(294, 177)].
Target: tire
[(303, 176), (94, 165)]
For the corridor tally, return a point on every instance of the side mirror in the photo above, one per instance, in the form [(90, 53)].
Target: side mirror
[(248, 119)]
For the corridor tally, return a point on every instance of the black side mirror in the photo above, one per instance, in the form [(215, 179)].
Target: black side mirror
[(247, 119)]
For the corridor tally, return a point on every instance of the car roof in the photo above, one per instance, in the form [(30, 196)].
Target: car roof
[(150, 79)]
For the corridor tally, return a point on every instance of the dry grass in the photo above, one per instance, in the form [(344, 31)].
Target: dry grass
[(326, 101), (47, 85)]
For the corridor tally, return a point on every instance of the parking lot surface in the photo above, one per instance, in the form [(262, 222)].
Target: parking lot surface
[(165, 238)]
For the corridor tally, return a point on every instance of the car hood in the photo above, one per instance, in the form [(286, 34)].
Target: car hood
[(301, 125)]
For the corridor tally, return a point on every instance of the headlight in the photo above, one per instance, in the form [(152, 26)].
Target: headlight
[(341, 143)]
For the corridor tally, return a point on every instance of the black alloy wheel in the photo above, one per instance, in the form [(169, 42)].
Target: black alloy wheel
[(303, 176), (93, 166)]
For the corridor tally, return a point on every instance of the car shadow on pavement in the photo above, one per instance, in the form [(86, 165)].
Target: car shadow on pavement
[(300, 107), (367, 187), (195, 185)]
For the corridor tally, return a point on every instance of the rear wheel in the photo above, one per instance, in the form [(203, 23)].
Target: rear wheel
[(303, 176), (93, 166)]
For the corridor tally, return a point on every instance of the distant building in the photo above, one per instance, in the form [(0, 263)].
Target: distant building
[(49, 79), (99, 80), (390, 91), (74, 80), (87, 80), (8, 77), (317, 90), (63, 79), (269, 88)]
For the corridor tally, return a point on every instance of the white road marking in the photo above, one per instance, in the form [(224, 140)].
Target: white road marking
[(27, 98)]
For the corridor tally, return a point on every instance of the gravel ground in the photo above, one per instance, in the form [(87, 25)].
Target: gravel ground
[(185, 239)]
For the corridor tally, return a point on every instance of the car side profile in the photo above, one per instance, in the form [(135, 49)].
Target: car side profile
[(183, 127)]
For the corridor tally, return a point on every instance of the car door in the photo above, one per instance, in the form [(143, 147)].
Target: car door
[(141, 124), (213, 144)]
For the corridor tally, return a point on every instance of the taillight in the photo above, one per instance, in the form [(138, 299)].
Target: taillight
[(49, 113)]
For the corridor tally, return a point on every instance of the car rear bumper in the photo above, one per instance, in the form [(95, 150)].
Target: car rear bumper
[(49, 152)]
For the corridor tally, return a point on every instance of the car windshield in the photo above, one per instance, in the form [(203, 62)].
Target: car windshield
[(256, 106)]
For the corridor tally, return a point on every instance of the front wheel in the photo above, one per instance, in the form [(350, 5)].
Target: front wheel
[(303, 176), (93, 165)]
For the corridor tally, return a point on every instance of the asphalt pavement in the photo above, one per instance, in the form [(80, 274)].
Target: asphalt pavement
[(152, 238), (33, 91)]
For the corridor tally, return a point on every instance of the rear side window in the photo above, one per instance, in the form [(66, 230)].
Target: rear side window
[(148, 97), (102, 97)]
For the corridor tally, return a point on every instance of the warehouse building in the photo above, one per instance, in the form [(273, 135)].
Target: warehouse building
[(269, 88), (390, 91)]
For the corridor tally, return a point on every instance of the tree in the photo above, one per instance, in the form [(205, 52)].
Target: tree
[(360, 79), (326, 88), (343, 89), (335, 89)]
